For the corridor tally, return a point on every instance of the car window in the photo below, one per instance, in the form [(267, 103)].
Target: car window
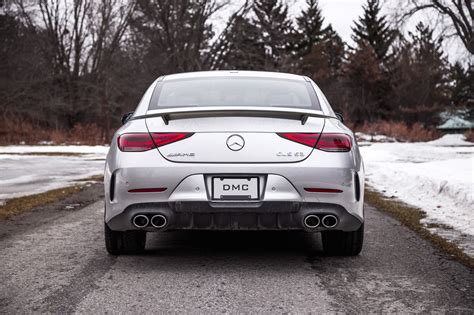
[(231, 91)]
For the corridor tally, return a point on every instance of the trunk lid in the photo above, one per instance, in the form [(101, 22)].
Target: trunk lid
[(235, 139)]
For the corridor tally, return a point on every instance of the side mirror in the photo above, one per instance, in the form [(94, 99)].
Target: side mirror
[(339, 117), (126, 117)]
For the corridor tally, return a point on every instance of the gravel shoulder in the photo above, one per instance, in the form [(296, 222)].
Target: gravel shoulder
[(53, 260)]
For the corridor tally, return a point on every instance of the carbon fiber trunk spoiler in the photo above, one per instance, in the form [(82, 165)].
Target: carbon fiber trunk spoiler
[(233, 111)]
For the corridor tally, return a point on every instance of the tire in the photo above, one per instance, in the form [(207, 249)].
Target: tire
[(339, 243), (127, 243)]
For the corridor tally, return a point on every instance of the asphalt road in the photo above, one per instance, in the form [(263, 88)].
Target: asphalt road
[(53, 260)]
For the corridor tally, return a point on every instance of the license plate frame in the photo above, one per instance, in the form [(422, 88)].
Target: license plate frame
[(252, 193)]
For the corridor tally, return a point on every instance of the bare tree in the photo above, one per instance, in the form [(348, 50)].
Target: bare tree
[(64, 25), (174, 35), (107, 31), (460, 13), (82, 38), (221, 46)]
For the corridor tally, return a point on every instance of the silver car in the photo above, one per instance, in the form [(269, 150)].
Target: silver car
[(234, 150)]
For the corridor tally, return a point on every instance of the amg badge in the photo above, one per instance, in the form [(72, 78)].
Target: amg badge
[(181, 155)]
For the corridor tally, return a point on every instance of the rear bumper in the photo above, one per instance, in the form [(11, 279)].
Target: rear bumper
[(283, 203), (268, 216)]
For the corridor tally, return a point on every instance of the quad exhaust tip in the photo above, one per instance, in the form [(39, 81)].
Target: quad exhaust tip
[(311, 221), (140, 221), (329, 221), (159, 221)]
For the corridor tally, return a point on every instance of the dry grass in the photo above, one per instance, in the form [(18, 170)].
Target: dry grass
[(19, 205), (16, 131), (400, 131), (95, 178), (411, 217), (469, 136)]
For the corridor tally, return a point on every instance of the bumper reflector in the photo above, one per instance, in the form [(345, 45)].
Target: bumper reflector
[(323, 190), (147, 190)]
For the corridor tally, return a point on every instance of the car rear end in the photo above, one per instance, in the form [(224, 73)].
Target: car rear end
[(260, 151)]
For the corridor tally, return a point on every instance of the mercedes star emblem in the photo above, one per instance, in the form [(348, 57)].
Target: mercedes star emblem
[(235, 142)]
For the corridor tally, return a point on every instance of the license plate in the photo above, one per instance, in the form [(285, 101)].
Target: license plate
[(235, 188)]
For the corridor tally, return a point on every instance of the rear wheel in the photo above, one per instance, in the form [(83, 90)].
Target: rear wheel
[(341, 243), (128, 242)]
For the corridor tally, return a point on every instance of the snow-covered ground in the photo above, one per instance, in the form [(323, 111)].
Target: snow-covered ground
[(436, 176), (24, 174)]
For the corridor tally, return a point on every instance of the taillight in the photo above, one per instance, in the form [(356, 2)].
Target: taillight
[(331, 142), (139, 142), (308, 139), (135, 142), (161, 139), (334, 142)]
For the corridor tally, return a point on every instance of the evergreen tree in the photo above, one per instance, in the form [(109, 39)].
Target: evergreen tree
[(323, 64), (373, 38), (240, 48), (334, 50), (363, 76), (462, 93), (318, 49), (373, 28), (431, 66), (310, 27), (324, 61), (310, 53), (420, 79), (276, 32), (319, 52)]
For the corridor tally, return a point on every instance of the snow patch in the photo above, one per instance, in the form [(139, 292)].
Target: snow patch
[(436, 176), (23, 175), (451, 140), (373, 138)]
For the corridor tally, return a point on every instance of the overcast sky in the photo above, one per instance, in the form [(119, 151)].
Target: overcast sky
[(340, 13)]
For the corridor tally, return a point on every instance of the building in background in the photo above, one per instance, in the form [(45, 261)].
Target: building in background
[(457, 122)]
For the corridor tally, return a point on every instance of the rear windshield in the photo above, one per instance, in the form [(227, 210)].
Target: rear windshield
[(242, 91)]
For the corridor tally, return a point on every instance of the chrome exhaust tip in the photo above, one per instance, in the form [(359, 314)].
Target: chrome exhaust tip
[(311, 221), (140, 221), (159, 221), (329, 221)]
